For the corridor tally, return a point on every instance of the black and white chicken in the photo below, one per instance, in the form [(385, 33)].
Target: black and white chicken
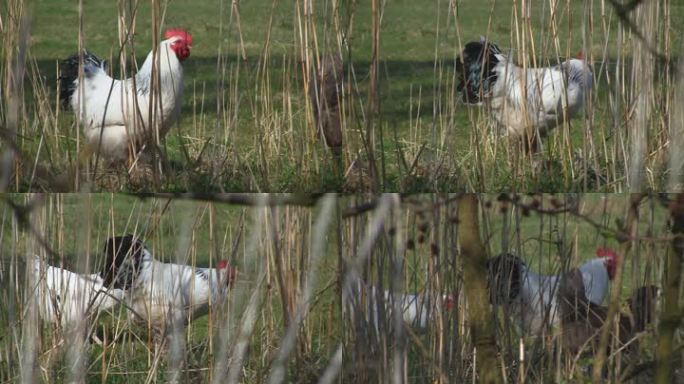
[(526, 102), (532, 298), (162, 294), (416, 309), (118, 124)]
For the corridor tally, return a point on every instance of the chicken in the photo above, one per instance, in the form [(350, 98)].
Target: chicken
[(115, 114), (325, 94), (531, 297), (416, 309), (163, 293), (65, 297), (526, 102), (582, 320)]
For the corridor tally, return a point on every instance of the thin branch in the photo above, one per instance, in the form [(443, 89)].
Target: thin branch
[(21, 214), (631, 221), (622, 11)]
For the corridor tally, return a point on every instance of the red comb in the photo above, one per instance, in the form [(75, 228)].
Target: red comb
[(180, 32), (605, 252), (230, 271), (611, 260), (449, 302)]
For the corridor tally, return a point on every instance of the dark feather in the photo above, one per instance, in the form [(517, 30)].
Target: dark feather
[(642, 304), (504, 278), (582, 319), (142, 84), (475, 69), (69, 74), (202, 272), (324, 95), (573, 302), (123, 259)]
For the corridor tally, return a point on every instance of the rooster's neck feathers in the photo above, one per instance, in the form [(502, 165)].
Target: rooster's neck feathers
[(167, 62), (202, 273), (577, 71)]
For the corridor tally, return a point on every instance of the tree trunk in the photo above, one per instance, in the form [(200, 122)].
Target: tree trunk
[(474, 258)]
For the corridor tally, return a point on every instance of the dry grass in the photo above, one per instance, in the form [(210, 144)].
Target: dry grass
[(248, 124), (278, 252), (283, 321)]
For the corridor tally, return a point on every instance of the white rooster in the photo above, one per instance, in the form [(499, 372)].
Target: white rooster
[(162, 294), (118, 123), (64, 296), (526, 103), (531, 297), (416, 308)]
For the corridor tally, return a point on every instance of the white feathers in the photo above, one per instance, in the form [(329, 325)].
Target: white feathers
[(537, 303), (126, 111), (416, 310), (536, 100), (165, 292), (64, 296), (596, 280)]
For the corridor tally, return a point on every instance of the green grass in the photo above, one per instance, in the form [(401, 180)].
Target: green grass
[(262, 138), (78, 225)]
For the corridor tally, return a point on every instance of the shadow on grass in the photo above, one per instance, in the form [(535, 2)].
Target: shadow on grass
[(210, 87)]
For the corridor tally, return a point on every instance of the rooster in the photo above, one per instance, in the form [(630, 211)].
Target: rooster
[(65, 297), (526, 103), (115, 114), (416, 309), (531, 297), (163, 294), (582, 319)]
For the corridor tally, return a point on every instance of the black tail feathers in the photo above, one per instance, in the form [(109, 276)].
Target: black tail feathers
[(504, 278), (123, 258), (475, 69), (69, 74)]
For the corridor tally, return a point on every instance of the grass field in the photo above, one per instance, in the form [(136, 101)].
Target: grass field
[(315, 246), (214, 232), (247, 125)]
